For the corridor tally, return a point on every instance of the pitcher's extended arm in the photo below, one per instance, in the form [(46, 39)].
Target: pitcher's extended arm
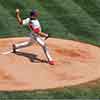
[(20, 21)]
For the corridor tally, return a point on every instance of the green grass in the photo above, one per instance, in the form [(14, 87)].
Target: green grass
[(86, 91), (68, 19)]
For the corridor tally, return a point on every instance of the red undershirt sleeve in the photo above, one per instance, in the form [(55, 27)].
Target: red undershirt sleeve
[(21, 23)]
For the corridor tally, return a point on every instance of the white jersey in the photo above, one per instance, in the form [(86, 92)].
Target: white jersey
[(35, 23)]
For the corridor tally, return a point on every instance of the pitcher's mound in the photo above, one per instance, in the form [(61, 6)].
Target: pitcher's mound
[(28, 70)]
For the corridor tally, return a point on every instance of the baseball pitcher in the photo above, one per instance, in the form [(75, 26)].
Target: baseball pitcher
[(35, 35)]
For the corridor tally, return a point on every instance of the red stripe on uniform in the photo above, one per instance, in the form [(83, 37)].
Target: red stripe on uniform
[(36, 30)]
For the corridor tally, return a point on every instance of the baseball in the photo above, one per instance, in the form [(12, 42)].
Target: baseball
[(17, 10)]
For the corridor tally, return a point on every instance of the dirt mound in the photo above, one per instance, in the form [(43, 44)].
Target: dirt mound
[(76, 63)]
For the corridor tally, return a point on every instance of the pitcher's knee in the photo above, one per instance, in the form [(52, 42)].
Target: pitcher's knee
[(43, 45)]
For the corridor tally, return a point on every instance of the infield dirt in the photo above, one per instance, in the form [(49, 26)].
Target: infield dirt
[(76, 63)]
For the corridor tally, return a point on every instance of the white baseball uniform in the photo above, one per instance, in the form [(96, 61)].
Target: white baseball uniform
[(35, 27)]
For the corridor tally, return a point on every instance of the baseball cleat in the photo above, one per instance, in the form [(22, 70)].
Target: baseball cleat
[(14, 48), (51, 62)]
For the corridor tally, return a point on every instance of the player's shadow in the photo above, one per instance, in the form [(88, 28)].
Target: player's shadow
[(32, 57)]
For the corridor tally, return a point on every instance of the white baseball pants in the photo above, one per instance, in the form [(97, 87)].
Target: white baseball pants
[(35, 37)]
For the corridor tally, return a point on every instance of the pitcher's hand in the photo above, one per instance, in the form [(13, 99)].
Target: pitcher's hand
[(46, 36), (17, 11)]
